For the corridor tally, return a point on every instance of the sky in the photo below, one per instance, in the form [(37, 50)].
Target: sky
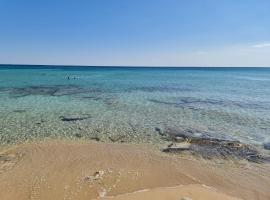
[(135, 32)]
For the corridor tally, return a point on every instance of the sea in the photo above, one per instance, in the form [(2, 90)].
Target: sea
[(133, 104)]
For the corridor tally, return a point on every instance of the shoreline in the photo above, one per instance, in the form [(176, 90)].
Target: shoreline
[(185, 192), (57, 169)]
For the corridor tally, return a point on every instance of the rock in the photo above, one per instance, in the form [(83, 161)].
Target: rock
[(175, 148), (179, 139), (70, 119), (78, 135), (19, 111), (170, 145), (50, 90), (95, 138), (41, 121), (179, 132), (94, 98), (163, 88), (159, 131), (209, 148), (116, 138), (266, 145)]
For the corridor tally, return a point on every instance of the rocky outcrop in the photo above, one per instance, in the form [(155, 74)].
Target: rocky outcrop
[(266, 145), (208, 147)]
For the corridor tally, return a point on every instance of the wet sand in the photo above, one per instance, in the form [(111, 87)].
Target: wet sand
[(186, 192), (56, 169)]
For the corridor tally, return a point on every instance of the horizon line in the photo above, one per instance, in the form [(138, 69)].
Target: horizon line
[(130, 66)]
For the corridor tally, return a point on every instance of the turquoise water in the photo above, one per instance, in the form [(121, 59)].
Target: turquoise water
[(131, 104)]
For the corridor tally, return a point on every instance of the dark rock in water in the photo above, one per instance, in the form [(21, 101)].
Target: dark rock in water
[(50, 90), (266, 145), (41, 121), (94, 98), (19, 111), (70, 119), (110, 101), (64, 90), (4, 89), (222, 148), (107, 100), (208, 147), (195, 103), (163, 88), (78, 135), (188, 102), (174, 133), (33, 90), (95, 138), (159, 131), (116, 138)]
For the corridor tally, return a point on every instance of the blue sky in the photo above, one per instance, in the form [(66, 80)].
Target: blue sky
[(136, 32)]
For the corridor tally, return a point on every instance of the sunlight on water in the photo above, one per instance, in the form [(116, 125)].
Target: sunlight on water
[(131, 104)]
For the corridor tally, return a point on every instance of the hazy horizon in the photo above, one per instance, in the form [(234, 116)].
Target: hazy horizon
[(128, 66)]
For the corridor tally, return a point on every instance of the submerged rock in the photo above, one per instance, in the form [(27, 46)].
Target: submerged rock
[(94, 98), (95, 138), (161, 89), (195, 103), (183, 134), (70, 119), (209, 147), (33, 90), (266, 145), (117, 138), (19, 111), (50, 90), (159, 131), (78, 135)]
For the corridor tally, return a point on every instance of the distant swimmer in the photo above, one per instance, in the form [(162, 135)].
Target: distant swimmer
[(71, 77)]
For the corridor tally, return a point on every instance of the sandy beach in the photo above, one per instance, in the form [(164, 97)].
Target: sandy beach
[(135, 100), (60, 169)]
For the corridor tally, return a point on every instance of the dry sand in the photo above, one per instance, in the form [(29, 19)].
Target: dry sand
[(89, 170)]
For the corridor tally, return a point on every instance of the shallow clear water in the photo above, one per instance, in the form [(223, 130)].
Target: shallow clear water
[(129, 104)]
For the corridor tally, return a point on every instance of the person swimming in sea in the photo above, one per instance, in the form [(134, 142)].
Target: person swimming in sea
[(72, 78)]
